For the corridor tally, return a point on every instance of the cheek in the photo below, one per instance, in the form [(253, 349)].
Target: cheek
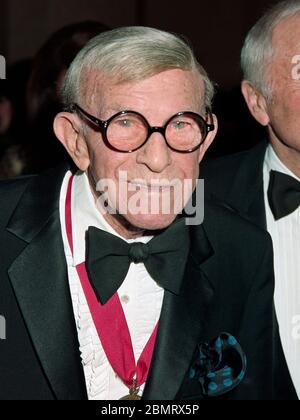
[(284, 117), (187, 166), (286, 104), (105, 163)]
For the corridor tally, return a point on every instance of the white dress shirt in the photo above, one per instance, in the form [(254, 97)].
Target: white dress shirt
[(141, 297), (286, 242)]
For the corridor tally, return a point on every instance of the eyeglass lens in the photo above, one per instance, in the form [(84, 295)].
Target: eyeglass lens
[(129, 131)]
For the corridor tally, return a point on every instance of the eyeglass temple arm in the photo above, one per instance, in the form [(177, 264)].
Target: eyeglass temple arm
[(210, 125), (99, 123)]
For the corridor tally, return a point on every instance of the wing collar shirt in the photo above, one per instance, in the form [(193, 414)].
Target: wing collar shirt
[(141, 297)]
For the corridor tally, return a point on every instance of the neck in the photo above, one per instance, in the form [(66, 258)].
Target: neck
[(288, 155)]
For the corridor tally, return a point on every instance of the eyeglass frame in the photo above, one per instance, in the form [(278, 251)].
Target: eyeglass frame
[(104, 124)]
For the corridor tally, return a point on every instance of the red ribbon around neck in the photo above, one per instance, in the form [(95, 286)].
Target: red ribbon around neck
[(110, 322)]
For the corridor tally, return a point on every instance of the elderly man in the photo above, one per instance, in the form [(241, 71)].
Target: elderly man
[(263, 184), (108, 289)]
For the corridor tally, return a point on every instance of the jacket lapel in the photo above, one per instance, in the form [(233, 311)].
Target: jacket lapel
[(182, 323), (39, 279), (249, 179), (244, 192)]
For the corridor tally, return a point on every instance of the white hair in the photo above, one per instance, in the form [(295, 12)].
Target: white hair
[(258, 49), (131, 54)]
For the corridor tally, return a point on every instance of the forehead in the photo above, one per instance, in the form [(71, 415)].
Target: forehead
[(286, 37), (171, 87)]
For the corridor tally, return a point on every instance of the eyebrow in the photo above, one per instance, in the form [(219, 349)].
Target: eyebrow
[(116, 108)]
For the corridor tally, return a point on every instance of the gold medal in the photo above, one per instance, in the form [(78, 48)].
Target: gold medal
[(133, 393)]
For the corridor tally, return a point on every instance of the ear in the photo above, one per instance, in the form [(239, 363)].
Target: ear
[(209, 139), (256, 103), (68, 130)]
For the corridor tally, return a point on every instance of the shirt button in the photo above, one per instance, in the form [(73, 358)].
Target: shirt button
[(125, 299)]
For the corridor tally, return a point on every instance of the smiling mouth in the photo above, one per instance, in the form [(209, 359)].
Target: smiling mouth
[(162, 184), (154, 186)]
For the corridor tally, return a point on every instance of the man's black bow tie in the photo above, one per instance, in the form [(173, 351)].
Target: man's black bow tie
[(109, 257), (283, 194)]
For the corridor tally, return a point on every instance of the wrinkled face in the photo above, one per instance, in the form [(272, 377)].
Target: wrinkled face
[(284, 110), (146, 174)]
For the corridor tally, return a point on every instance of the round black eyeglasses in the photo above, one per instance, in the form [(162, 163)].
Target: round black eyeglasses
[(127, 131)]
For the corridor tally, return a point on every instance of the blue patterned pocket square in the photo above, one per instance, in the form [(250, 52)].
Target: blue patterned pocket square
[(220, 365)]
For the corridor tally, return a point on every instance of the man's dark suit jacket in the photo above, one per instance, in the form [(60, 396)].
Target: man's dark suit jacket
[(237, 182), (228, 287)]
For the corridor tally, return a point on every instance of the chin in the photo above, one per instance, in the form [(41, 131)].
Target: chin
[(150, 221)]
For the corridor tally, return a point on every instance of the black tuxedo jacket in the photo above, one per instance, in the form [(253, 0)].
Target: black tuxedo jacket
[(228, 287), (237, 182)]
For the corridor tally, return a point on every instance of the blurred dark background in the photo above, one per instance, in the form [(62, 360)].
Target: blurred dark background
[(215, 28)]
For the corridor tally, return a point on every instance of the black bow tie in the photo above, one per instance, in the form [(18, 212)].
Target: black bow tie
[(109, 257), (283, 194)]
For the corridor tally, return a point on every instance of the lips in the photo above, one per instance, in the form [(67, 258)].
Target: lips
[(159, 185), (153, 186)]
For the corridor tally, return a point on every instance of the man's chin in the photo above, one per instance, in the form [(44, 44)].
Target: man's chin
[(149, 221)]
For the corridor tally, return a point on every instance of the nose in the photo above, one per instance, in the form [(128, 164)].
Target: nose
[(155, 154)]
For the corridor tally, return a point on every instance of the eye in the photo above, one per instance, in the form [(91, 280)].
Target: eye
[(179, 125), (125, 122)]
